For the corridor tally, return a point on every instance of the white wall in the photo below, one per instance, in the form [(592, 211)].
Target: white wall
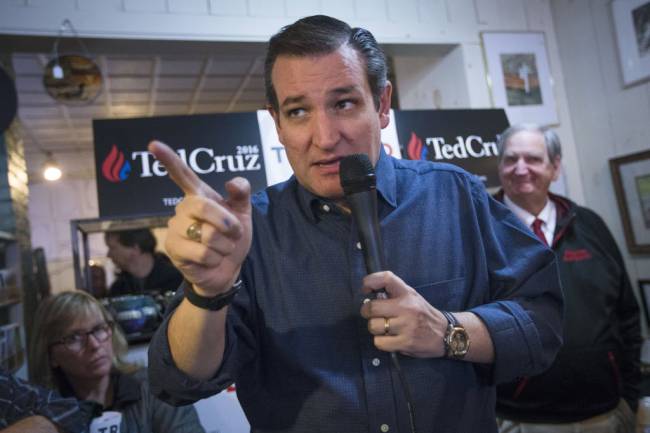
[(425, 78), (608, 120)]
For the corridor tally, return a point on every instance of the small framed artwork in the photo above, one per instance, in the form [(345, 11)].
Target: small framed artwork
[(632, 26), (631, 178), (519, 76), (644, 290)]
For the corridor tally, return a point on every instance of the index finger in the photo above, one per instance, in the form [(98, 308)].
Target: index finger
[(178, 171)]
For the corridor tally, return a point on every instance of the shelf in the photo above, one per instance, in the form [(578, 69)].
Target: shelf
[(96, 225), (13, 363), (4, 303), (6, 237)]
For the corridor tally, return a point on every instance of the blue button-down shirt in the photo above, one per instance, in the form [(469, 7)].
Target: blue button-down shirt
[(300, 352)]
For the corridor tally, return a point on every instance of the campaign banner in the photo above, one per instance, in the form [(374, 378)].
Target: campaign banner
[(218, 147), (466, 138)]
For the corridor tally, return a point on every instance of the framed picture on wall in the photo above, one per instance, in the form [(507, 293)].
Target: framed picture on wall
[(631, 178), (632, 26), (519, 76), (644, 290)]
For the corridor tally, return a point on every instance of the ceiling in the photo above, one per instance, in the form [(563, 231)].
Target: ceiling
[(140, 79)]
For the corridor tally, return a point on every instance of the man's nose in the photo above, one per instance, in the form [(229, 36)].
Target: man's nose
[(521, 167), (325, 131)]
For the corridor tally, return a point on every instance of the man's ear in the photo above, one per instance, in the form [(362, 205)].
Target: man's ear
[(384, 105), (557, 167)]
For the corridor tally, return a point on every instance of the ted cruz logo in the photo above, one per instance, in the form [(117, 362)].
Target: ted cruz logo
[(470, 147), (115, 168), (415, 149)]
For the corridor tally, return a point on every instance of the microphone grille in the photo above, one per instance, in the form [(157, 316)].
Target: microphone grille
[(356, 173)]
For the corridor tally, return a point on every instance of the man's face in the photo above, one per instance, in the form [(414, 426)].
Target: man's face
[(326, 112), (525, 169), (119, 254)]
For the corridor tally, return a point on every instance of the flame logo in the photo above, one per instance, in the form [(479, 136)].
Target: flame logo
[(415, 149), (114, 167)]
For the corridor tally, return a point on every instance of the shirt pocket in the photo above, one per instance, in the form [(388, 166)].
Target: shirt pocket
[(447, 295)]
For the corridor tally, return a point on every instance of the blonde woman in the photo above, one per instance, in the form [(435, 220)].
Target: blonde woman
[(77, 350)]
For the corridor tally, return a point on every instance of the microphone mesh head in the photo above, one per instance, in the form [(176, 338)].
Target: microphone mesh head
[(356, 173)]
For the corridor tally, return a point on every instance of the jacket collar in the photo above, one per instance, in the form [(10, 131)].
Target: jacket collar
[(566, 212), (126, 390)]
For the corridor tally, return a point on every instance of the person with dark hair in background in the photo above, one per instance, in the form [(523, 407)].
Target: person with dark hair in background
[(473, 298), (25, 407), (142, 269), (593, 385), (98, 281), (77, 350)]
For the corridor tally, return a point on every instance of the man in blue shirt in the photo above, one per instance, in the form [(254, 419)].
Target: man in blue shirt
[(473, 297)]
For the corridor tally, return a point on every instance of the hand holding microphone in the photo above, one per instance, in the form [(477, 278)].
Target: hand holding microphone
[(400, 319)]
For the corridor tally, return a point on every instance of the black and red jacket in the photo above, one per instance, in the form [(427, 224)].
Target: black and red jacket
[(598, 363)]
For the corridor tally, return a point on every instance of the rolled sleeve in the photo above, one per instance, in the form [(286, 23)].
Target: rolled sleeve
[(172, 385), (525, 308)]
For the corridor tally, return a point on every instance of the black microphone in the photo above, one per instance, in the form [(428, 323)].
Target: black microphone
[(357, 176)]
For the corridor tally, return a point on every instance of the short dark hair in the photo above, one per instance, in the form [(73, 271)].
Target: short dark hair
[(143, 238), (319, 35), (551, 139)]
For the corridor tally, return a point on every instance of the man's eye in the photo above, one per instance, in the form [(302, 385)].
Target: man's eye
[(344, 104), (296, 112)]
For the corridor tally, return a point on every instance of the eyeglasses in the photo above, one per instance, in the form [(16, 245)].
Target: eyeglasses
[(77, 341)]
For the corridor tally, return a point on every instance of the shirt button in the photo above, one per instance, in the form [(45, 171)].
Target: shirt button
[(326, 208), (376, 362), (358, 245), (384, 428)]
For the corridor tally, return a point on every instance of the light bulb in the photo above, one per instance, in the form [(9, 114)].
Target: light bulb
[(57, 72), (51, 169), (52, 173)]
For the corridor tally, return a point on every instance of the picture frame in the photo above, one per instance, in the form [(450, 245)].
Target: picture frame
[(631, 179), (632, 27), (519, 76), (644, 290)]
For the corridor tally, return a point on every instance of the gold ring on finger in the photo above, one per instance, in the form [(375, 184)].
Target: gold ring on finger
[(386, 326), (194, 231)]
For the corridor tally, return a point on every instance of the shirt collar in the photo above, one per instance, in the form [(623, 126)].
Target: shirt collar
[(312, 204), (527, 217), (126, 390)]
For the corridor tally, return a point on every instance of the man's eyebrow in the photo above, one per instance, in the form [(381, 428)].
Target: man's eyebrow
[(292, 100), (344, 90), (337, 91)]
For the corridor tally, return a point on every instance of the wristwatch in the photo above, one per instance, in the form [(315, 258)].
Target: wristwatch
[(214, 303), (456, 338)]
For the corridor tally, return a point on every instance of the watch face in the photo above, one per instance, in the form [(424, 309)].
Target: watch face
[(458, 341)]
